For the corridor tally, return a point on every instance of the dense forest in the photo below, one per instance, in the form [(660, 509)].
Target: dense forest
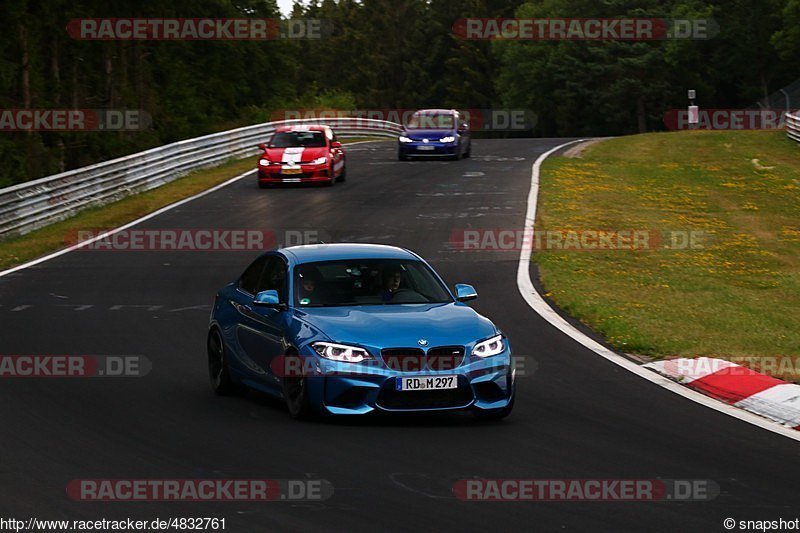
[(382, 54)]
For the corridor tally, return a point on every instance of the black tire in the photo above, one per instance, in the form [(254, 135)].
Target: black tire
[(495, 414), (401, 156), (218, 371), (295, 392), (332, 181), (343, 176), (468, 153), (457, 155)]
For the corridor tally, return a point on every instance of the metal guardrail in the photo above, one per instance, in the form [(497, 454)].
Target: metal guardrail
[(34, 204), (793, 126)]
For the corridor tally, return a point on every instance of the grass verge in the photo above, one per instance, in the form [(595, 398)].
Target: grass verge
[(737, 296)]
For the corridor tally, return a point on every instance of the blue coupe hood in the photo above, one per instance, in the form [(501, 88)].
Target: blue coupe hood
[(400, 326)]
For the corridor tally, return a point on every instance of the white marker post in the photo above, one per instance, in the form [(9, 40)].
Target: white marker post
[(694, 111)]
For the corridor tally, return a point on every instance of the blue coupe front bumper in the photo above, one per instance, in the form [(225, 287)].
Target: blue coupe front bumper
[(347, 388)]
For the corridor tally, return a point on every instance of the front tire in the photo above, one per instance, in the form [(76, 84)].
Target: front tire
[(468, 153), (332, 181), (295, 391), (457, 155), (218, 371), (343, 176)]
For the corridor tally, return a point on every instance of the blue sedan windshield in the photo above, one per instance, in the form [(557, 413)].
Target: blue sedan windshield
[(367, 282), (431, 122)]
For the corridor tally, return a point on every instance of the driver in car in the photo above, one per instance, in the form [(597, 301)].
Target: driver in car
[(308, 290), (392, 276)]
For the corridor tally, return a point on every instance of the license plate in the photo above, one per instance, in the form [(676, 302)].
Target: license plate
[(426, 148), (427, 383), (292, 170)]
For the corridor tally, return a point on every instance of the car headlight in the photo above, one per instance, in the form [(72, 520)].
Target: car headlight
[(447, 139), (320, 161), (405, 139), (490, 347), (341, 352), (265, 162)]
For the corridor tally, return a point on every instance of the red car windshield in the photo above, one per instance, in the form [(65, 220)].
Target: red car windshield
[(298, 139)]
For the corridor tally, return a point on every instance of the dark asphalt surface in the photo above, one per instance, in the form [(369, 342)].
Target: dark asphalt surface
[(576, 416)]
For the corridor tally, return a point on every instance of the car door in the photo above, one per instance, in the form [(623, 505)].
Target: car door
[(261, 329)]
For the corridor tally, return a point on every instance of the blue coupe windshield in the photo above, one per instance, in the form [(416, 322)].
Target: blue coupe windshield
[(367, 282)]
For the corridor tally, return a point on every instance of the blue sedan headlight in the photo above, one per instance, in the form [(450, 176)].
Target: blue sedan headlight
[(341, 352), (449, 139), (404, 139), (490, 347)]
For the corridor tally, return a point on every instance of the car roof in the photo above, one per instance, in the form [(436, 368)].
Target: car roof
[(302, 127), (332, 252)]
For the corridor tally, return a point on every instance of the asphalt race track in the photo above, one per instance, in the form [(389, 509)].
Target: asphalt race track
[(577, 415)]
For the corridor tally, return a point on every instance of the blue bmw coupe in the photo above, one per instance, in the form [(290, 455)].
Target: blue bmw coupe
[(357, 329)]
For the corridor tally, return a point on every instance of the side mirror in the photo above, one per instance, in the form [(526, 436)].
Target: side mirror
[(268, 299), (465, 293), (263, 146), (464, 126), (336, 144)]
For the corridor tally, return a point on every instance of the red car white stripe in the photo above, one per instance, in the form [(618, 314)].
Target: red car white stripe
[(292, 155), (736, 385)]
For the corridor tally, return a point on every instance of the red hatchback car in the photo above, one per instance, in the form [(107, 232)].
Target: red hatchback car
[(302, 154)]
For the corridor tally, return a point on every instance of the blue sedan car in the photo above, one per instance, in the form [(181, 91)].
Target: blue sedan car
[(435, 133), (357, 329)]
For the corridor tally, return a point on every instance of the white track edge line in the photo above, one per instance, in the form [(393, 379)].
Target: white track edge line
[(540, 306), (154, 214)]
